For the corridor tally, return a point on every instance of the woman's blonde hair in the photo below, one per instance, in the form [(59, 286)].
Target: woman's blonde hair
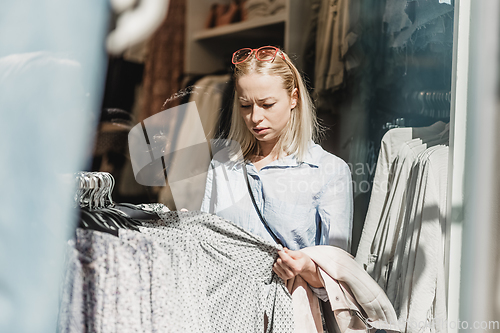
[(302, 126)]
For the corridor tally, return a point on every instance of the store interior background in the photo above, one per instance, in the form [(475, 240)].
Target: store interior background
[(49, 123), (386, 66)]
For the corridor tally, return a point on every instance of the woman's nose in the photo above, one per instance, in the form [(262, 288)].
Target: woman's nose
[(257, 114)]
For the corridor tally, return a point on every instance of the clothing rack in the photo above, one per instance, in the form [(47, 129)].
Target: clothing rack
[(434, 104), (98, 211), (94, 189), (392, 248)]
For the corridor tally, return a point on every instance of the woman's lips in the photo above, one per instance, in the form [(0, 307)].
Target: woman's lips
[(260, 130)]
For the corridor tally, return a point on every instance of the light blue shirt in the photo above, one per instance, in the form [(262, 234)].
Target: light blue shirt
[(305, 203)]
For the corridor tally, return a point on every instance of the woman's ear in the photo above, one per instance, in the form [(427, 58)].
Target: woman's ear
[(294, 97)]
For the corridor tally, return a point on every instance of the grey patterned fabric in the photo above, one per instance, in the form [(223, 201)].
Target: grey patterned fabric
[(72, 312), (188, 272)]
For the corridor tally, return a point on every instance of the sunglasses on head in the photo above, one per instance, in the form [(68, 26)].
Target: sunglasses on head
[(264, 53)]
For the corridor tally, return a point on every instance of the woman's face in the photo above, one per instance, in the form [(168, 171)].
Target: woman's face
[(265, 105)]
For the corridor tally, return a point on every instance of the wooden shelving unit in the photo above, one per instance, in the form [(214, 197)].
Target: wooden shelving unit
[(209, 50)]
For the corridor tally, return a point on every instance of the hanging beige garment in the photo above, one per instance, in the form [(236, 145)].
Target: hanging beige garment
[(335, 35), (389, 148), (357, 301)]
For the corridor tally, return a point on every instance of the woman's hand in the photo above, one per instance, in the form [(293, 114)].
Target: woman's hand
[(292, 263)]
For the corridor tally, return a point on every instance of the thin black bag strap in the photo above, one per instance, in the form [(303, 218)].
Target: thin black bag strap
[(271, 232)]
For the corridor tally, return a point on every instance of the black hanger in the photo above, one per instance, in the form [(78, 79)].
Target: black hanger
[(136, 212), (99, 212), (90, 221)]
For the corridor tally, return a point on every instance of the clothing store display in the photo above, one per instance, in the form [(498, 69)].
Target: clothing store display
[(390, 146), (189, 271), (403, 242), (336, 33), (306, 203), (387, 214), (192, 271), (383, 244), (418, 278)]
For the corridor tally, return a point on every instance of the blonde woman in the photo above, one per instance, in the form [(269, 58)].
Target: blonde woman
[(285, 188)]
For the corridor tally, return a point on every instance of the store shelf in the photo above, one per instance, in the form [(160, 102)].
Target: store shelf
[(209, 50), (239, 27)]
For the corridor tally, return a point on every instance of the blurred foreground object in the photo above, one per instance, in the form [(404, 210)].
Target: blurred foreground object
[(135, 23)]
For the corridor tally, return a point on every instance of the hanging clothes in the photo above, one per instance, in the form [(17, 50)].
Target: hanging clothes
[(402, 244), (196, 271), (336, 33), (389, 148), (188, 272), (417, 284), (382, 247)]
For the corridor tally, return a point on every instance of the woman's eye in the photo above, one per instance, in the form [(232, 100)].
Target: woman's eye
[(268, 105), (244, 106)]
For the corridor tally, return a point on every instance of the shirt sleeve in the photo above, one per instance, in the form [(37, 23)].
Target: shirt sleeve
[(207, 205), (336, 208)]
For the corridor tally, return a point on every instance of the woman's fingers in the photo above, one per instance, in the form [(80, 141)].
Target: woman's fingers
[(285, 257), (282, 270), (293, 259), (279, 271), (285, 266), (292, 263)]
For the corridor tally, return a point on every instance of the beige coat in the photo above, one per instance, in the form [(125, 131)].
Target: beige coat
[(358, 302)]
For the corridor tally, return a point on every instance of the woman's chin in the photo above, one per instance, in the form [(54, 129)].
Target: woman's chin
[(262, 138)]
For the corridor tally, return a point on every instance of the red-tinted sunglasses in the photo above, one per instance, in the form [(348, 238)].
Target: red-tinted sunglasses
[(264, 53)]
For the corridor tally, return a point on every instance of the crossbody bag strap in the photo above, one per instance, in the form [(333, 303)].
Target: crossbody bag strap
[(263, 220)]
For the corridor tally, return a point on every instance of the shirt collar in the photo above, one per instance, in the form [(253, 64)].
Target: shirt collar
[(312, 158)]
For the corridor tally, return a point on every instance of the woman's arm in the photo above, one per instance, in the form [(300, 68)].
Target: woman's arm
[(292, 263), (336, 208)]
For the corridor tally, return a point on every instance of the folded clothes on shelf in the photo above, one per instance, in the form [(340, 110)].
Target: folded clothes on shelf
[(259, 8)]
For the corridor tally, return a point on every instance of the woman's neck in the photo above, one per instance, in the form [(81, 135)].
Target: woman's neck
[(267, 154), (259, 161), (267, 149)]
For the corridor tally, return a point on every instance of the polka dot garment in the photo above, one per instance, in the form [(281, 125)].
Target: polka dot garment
[(188, 271)]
